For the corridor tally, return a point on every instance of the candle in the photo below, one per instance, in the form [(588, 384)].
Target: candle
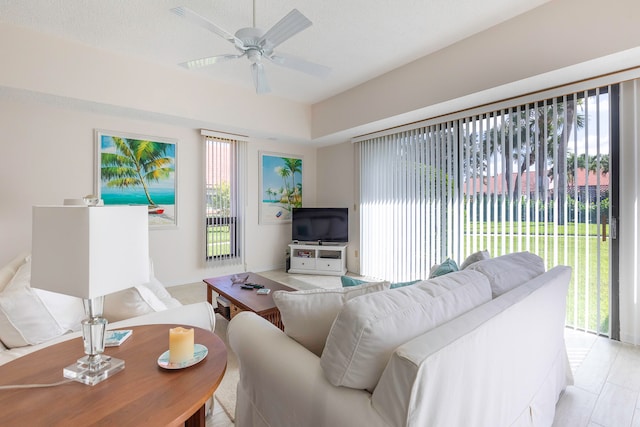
[(180, 344)]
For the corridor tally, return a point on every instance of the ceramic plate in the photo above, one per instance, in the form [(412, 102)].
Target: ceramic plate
[(199, 353)]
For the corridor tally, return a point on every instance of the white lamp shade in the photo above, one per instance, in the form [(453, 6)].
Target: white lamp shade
[(89, 252)]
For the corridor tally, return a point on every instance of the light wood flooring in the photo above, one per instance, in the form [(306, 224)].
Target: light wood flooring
[(606, 392)]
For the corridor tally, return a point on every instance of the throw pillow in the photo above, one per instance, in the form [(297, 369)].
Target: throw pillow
[(475, 257), (24, 319), (67, 310), (448, 266), (132, 302), (8, 271), (348, 281), (369, 328), (509, 271), (307, 315), (403, 284), (139, 300)]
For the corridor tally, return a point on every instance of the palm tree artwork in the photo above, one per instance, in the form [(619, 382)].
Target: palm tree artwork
[(138, 171), (281, 187)]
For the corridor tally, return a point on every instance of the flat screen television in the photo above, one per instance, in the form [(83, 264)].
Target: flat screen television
[(320, 225)]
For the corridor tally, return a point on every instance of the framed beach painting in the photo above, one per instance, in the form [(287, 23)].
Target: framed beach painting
[(138, 170), (280, 187)]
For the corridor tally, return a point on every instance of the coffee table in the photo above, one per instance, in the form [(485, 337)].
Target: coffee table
[(142, 394), (248, 300)]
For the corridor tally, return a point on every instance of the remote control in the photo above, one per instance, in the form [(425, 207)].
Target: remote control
[(249, 287)]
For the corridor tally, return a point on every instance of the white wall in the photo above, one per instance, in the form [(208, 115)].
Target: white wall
[(48, 153), (98, 79), (336, 175), (560, 42)]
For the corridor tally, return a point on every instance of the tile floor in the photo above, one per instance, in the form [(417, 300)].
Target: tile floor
[(606, 392)]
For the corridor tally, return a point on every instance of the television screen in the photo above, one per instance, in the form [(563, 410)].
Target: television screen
[(320, 224)]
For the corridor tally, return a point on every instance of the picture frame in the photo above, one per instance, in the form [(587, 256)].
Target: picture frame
[(147, 178), (280, 186)]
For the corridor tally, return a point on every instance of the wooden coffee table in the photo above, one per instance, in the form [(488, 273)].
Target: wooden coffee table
[(142, 394), (248, 300)]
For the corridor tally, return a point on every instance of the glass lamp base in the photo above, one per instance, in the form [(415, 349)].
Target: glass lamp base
[(91, 370)]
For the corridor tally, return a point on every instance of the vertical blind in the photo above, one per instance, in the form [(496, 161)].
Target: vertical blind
[(529, 177), (407, 201), (224, 203)]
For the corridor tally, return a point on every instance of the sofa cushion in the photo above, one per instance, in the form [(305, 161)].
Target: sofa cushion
[(307, 315), (509, 271), (352, 281), (369, 328), (475, 257)]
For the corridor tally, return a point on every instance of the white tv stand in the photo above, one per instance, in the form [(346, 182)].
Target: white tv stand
[(328, 259)]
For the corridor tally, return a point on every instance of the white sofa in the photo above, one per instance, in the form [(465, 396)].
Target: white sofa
[(32, 319), (502, 363)]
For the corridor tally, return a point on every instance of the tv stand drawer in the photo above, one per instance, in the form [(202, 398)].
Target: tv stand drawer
[(303, 263), (328, 264)]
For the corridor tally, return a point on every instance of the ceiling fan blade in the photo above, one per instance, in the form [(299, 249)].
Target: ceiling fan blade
[(299, 64), (192, 16), (287, 27), (209, 60), (260, 78)]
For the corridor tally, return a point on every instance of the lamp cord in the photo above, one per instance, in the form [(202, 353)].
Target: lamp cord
[(9, 387)]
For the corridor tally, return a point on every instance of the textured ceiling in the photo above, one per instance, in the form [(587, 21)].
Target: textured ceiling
[(357, 39)]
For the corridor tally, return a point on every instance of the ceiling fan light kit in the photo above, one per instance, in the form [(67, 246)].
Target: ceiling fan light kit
[(256, 45)]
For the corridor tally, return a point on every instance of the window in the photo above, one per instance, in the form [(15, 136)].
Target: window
[(224, 178)]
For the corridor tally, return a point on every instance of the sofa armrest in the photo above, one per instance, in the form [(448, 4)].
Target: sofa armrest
[(274, 369), (200, 315)]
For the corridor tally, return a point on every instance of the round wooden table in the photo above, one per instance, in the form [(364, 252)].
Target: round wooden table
[(143, 394)]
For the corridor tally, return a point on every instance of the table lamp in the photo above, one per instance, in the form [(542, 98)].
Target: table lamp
[(89, 252)]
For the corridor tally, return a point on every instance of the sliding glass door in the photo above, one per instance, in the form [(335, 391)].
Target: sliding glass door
[(533, 177)]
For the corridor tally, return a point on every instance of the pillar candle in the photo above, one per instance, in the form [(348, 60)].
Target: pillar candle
[(180, 344)]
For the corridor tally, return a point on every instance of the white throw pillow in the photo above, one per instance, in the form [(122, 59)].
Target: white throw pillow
[(475, 257), (8, 271), (139, 300), (24, 319), (132, 302), (67, 310), (369, 328), (161, 292), (509, 271), (307, 315)]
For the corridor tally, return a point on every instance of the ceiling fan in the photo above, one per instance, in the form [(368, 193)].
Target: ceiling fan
[(256, 45)]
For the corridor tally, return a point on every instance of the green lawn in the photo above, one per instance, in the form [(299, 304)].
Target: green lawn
[(589, 289), (218, 241)]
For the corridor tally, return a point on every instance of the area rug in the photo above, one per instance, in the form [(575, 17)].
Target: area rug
[(225, 394)]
